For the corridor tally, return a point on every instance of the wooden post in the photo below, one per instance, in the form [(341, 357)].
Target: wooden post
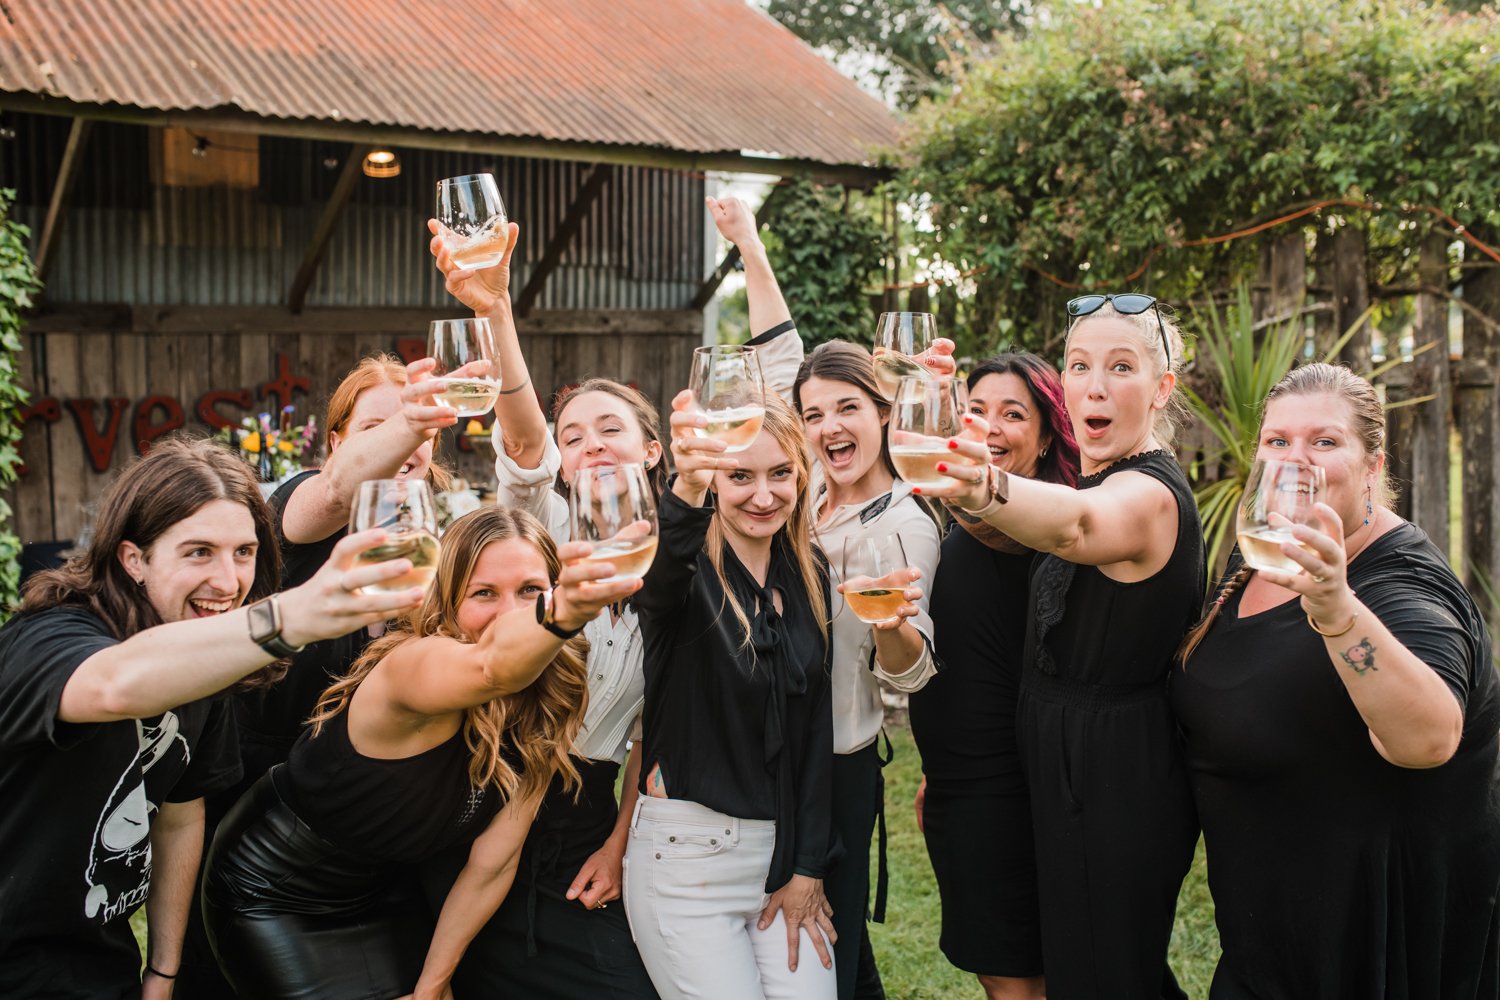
[(1479, 423), (1431, 421), (354, 161), (67, 174), (1283, 275), (566, 230), (1351, 296)]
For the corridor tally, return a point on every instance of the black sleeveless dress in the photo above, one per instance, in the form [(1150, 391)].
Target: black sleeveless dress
[(1111, 807), (309, 890), (977, 813)]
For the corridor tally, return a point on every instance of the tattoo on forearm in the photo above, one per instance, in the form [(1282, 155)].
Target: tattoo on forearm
[(1360, 657)]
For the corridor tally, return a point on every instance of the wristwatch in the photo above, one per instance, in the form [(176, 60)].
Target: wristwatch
[(998, 486), (545, 620), (265, 628)]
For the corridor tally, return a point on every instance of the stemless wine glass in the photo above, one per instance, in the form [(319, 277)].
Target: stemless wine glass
[(1278, 495), (405, 509), (925, 413), (729, 390), (899, 338), (475, 229), (467, 372), (611, 507), (868, 574)]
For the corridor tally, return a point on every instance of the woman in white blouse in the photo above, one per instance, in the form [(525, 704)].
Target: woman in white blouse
[(560, 938), (845, 415)]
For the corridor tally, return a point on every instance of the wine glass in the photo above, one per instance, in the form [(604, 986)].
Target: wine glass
[(405, 509), (728, 389), (868, 574), (475, 229), (467, 372), (899, 338), (927, 410), (611, 507), (1278, 495)]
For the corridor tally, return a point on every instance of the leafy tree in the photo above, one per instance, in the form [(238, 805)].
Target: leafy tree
[(826, 254), (906, 46), (1072, 154), (18, 283)]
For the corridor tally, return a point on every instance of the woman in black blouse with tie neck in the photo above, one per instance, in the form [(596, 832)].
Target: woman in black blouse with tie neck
[(729, 845)]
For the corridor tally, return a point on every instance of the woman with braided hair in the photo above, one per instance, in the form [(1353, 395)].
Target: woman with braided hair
[(1340, 729)]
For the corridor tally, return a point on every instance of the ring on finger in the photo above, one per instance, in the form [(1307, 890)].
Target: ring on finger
[(1319, 578)]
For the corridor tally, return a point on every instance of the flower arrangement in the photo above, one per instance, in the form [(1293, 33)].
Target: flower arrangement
[(275, 452)]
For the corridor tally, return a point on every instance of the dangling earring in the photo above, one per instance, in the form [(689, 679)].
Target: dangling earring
[(1369, 507), (1045, 448)]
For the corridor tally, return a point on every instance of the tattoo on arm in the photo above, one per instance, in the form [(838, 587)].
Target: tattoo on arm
[(1360, 657)]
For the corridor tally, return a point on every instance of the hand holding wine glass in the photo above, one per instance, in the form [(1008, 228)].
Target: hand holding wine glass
[(586, 586), (1278, 496), (424, 416), (926, 414), (875, 581), (471, 217), (902, 340), (695, 458), (484, 290), (405, 510), (729, 391), (467, 374)]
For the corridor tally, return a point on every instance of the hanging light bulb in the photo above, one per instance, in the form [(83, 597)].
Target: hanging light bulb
[(200, 147), (382, 163)]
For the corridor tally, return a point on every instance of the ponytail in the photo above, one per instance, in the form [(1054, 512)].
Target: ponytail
[(1190, 642)]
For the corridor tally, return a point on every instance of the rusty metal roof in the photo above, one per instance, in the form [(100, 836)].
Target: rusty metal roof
[(697, 76)]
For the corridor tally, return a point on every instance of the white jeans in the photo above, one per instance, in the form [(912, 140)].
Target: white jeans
[(694, 890)]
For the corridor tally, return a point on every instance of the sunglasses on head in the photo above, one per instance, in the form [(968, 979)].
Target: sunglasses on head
[(1126, 304)]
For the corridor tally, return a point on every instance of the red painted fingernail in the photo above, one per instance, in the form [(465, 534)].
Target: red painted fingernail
[(952, 445), (942, 466)]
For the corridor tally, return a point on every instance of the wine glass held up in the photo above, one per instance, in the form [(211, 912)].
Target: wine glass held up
[(472, 216), (875, 579), (901, 338), (926, 412), (1278, 496), (405, 509), (729, 391), (467, 371), (610, 506)]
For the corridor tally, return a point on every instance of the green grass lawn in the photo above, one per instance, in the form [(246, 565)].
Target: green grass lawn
[(906, 945)]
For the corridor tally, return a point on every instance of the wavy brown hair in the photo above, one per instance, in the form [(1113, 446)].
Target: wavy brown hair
[(539, 723), (150, 495), (783, 424), (377, 369)]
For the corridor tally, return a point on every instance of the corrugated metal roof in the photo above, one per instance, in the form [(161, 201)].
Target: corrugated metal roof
[(700, 76)]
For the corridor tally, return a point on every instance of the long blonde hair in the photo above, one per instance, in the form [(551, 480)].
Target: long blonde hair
[(541, 722), (782, 424)]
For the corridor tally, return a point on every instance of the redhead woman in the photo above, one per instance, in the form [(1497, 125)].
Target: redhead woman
[(844, 416), (1117, 586), (444, 734), (1340, 726), (976, 811)]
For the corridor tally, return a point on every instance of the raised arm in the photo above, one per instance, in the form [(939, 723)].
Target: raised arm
[(478, 892), (321, 506), (436, 675), (180, 662), (683, 513), (518, 414), (1128, 522)]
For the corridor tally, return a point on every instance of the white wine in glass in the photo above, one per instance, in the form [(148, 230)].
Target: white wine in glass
[(405, 509), (868, 574), (899, 338), (467, 376), (729, 391), (611, 507), (1278, 496), (925, 413), (475, 229)]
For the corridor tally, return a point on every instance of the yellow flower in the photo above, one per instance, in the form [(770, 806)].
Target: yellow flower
[(474, 427), (285, 446), (251, 442)]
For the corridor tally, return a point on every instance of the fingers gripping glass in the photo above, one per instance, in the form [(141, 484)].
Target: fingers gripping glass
[(1126, 304)]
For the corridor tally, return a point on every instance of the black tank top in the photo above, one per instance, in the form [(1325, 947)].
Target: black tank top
[(1090, 629), (385, 810)]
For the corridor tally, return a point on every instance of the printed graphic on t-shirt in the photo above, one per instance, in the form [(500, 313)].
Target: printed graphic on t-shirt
[(119, 869)]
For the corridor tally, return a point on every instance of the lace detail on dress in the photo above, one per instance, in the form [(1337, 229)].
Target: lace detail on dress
[(1129, 462), (1053, 578)]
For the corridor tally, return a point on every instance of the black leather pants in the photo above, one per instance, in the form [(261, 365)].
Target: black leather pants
[(290, 916)]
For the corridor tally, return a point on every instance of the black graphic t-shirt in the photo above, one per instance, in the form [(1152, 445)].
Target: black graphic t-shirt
[(79, 800)]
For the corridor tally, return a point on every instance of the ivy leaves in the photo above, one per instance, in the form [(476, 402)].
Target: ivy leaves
[(18, 283)]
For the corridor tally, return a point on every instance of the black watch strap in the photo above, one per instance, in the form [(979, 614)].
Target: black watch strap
[(265, 629), (545, 620)]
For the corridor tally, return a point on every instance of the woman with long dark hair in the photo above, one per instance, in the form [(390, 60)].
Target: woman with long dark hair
[(443, 733), (974, 809), (110, 734)]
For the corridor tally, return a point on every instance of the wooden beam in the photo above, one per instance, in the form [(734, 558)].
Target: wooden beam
[(67, 175), (354, 159), (566, 230), (234, 120), (713, 281)]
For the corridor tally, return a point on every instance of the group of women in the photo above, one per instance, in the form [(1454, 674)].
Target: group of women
[(428, 807)]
